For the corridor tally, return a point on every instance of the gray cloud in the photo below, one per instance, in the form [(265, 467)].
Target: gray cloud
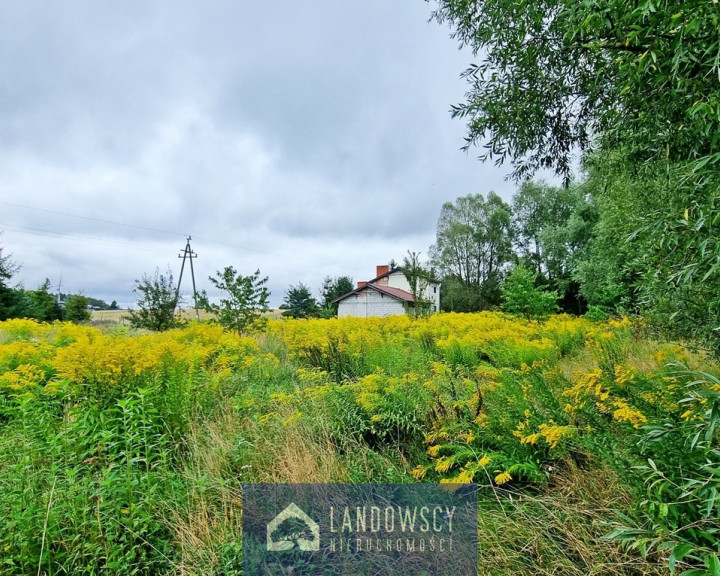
[(302, 140)]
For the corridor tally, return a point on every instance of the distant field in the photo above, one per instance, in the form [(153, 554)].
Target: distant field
[(120, 316)]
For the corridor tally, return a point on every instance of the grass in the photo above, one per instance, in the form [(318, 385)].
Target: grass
[(124, 452)]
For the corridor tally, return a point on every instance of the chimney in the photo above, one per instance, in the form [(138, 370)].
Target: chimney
[(380, 270), (361, 284)]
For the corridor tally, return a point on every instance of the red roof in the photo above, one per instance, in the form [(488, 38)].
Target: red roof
[(394, 292)]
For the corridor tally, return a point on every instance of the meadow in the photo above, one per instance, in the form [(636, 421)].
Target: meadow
[(123, 452)]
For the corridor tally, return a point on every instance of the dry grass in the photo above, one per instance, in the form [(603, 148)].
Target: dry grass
[(210, 521), (583, 361), (559, 530), (299, 454)]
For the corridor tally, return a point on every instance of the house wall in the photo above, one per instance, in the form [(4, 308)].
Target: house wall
[(398, 280), (370, 303)]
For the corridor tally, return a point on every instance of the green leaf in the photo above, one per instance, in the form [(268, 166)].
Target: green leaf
[(713, 564), (679, 552)]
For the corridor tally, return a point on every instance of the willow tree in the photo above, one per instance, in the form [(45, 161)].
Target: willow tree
[(633, 86)]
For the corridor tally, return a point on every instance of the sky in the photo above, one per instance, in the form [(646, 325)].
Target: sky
[(302, 139)]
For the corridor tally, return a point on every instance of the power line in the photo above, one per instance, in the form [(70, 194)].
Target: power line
[(94, 240), (147, 229), (90, 218)]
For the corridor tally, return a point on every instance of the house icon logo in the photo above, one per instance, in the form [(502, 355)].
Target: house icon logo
[(292, 526)]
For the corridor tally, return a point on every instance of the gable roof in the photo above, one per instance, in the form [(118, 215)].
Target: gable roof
[(388, 273), (394, 292), (398, 269)]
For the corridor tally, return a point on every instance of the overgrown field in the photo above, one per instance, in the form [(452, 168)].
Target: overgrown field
[(123, 453)]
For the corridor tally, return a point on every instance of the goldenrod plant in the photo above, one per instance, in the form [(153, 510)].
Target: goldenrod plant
[(123, 451)]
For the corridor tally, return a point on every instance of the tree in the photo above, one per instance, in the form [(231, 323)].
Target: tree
[(245, 302), (523, 296), (43, 305), (473, 246), (333, 288), (12, 301), (418, 278), (558, 75), (76, 308), (457, 296), (8, 267), (156, 303), (636, 85), (552, 229), (300, 302)]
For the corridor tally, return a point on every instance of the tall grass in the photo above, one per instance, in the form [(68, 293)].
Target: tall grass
[(124, 453)]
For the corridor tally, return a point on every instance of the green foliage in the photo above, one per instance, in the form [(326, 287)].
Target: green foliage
[(156, 303), (473, 238), (683, 294), (76, 308), (681, 510), (94, 483), (522, 296), (552, 231), (473, 244), (95, 303), (556, 73), (13, 303), (43, 305), (8, 267), (333, 288), (40, 304), (636, 86), (300, 302), (597, 313), (245, 302), (133, 446), (419, 278), (456, 296)]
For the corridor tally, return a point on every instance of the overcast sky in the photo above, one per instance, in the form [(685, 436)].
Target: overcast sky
[(306, 139)]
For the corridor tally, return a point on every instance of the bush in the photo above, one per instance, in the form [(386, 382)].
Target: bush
[(522, 296), (244, 303), (157, 302), (76, 308)]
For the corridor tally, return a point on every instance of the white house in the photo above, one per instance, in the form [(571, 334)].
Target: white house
[(385, 295)]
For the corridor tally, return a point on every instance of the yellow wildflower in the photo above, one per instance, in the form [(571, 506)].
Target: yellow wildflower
[(624, 413), (502, 478)]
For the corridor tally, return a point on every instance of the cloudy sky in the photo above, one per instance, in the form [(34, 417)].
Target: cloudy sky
[(303, 139)]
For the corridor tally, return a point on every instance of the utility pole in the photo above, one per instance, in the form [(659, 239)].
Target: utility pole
[(59, 287), (187, 254)]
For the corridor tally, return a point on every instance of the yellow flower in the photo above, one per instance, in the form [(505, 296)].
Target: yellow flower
[(687, 415), (624, 413), (502, 478), (624, 374), (465, 477), (553, 433)]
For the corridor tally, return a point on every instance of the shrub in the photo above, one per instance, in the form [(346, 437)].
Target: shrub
[(244, 303), (76, 308), (157, 302), (522, 296)]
